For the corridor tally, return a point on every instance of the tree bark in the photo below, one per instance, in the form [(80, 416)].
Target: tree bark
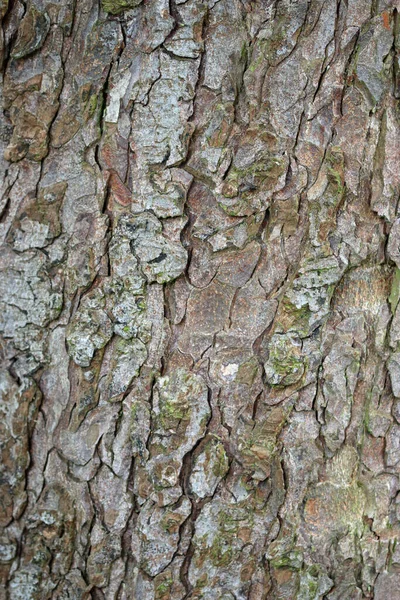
[(199, 299)]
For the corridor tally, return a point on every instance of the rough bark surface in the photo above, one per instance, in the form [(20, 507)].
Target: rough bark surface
[(200, 276)]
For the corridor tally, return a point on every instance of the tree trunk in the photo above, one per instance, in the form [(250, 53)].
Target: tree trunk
[(199, 300)]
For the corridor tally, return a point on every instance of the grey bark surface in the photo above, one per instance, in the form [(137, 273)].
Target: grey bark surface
[(199, 286)]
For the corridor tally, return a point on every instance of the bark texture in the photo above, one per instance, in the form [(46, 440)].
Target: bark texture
[(200, 276)]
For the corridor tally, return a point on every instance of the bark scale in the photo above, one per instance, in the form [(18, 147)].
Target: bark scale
[(200, 276)]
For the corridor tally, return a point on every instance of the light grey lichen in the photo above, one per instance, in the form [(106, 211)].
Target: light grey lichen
[(285, 364), (209, 468), (90, 330), (159, 258)]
